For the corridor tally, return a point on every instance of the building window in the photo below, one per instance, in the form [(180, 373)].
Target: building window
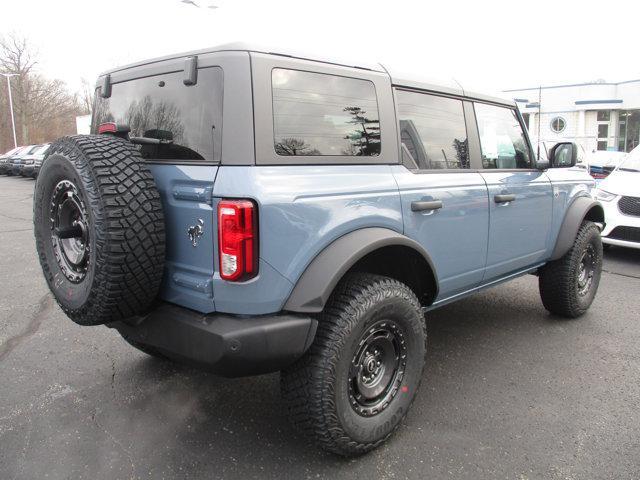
[(558, 124), (602, 145), (628, 130), (604, 115), (526, 117), (603, 130)]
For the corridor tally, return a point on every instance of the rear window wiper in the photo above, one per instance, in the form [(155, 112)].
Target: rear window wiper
[(150, 141)]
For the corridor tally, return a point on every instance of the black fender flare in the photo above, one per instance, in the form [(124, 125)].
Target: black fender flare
[(582, 208), (316, 283)]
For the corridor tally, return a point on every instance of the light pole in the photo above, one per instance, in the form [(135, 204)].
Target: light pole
[(13, 120)]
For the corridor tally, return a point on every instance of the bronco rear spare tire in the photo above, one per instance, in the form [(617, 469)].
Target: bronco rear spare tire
[(99, 228)]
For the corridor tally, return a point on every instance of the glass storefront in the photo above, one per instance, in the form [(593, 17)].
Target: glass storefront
[(628, 130)]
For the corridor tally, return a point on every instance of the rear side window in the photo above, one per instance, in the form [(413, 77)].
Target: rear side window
[(174, 122), (502, 138), (432, 131), (321, 114)]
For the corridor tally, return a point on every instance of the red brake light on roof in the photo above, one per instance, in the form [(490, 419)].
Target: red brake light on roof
[(237, 240), (108, 127)]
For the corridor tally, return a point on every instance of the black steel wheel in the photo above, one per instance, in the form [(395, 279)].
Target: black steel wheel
[(586, 270), (356, 383), (377, 368), (70, 231)]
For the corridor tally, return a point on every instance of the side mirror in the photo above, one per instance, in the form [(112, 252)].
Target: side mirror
[(563, 155)]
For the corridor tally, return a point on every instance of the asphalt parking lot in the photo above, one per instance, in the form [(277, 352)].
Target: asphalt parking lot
[(508, 392)]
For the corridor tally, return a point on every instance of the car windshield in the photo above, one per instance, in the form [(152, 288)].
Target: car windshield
[(632, 162), (42, 150), (29, 150)]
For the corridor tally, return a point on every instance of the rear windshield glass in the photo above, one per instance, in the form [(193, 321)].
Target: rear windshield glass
[(320, 114), (172, 121)]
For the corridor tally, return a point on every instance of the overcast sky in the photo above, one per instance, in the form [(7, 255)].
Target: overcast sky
[(493, 45)]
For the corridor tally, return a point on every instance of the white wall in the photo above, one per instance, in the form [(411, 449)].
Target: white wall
[(83, 125)]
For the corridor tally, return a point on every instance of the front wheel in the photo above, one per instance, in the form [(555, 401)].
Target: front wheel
[(569, 285), (357, 381)]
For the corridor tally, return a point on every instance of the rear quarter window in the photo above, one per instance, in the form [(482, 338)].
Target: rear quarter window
[(176, 122), (324, 115)]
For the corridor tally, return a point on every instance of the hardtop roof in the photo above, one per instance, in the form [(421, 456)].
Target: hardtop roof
[(412, 79)]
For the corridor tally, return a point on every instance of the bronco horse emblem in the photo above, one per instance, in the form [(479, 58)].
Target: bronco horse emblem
[(195, 232)]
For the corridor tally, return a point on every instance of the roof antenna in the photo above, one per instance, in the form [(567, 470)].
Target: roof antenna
[(539, 117)]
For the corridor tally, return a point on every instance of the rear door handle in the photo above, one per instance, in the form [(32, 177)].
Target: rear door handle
[(504, 198), (422, 206)]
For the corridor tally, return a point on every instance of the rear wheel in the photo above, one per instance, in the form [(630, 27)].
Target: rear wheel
[(357, 381), (569, 285)]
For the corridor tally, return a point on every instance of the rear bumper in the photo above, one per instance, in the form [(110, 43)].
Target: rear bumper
[(228, 345)]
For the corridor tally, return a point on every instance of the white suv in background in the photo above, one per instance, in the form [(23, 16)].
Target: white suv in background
[(619, 194)]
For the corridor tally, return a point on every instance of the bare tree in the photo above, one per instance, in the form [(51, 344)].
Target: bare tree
[(294, 146), (44, 108), (86, 97)]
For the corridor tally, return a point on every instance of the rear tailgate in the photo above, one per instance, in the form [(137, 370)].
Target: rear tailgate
[(191, 233)]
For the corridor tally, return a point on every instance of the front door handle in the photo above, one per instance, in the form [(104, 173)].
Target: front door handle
[(504, 198), (423, 206)]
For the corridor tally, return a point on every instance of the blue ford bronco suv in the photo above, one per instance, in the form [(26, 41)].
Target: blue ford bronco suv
[(249, 211)]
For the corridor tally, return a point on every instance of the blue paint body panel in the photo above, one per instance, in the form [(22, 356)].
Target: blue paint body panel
[(302, 209), (568, 184), (185, 192), (518, 230), (455, 236), (472, 241)]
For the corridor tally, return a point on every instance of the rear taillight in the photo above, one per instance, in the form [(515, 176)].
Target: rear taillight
[(108, 127), (118, 129), (237, 240)]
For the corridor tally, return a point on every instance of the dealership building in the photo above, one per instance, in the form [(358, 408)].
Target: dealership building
[(598, 115)]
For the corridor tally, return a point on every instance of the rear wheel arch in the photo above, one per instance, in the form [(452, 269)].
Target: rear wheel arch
[(583, 208), (372, 250)]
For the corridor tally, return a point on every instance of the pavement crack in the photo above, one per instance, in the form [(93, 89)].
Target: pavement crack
[(117, 442), (113, 366), (33, 325), (15, 218), (17, 230), (621, 274)]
